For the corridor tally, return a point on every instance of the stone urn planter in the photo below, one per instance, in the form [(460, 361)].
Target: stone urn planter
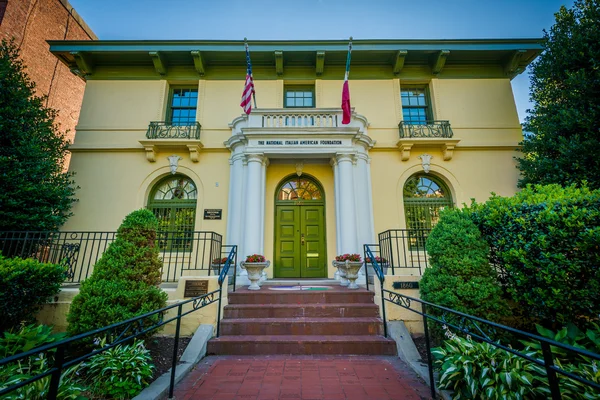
[(348, 265), (217, 264), (255, 265)]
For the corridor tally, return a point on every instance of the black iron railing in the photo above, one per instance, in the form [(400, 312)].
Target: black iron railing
[(482, 330), (67, 352), (404, 249), (79, 251), (429, 129), (166, 130)]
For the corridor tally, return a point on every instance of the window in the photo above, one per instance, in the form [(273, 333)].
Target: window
[(299, 189), (415, 105), (182, 106), (299, 97), (173, 202), (424, 198)]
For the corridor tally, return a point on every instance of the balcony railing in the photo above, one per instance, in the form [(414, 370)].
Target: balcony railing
[(404, 250), (430, 129), (165, 130), (315, 118), (78, 252)]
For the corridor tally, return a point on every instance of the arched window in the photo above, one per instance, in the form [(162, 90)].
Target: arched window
[(424, 197), (173, 201), (299, 188)]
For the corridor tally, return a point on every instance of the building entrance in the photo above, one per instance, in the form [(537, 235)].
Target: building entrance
[(300, 248)]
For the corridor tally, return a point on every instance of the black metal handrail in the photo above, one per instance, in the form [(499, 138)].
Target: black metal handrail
[(124, 331), (472, 325), (404, 248), (167, 130), (429, 129), (79, 251)]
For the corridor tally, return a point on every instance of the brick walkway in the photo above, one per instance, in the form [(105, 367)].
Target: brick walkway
[(301, 377)]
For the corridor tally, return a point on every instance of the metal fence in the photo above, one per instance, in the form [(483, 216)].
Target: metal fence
[(404, 250), (79, 251), (489, 332), (67, 353)]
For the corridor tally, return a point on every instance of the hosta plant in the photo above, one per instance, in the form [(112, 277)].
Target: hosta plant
[(120, 372), (483, 371)]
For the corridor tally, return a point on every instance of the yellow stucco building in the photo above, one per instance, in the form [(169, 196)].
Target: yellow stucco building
[(434, 124)]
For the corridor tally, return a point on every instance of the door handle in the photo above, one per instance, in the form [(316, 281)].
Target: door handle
[(302, 239)]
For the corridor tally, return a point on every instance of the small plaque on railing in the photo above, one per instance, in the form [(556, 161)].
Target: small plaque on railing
[(405, 285), (195, 288), (213, 213)]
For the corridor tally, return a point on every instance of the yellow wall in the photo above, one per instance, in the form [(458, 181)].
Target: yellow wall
[(393, 312)]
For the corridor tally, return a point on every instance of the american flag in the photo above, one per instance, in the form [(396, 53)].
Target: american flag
[(248, 92)]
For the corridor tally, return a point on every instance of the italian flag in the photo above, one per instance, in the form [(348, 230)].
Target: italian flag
[(347, 111)]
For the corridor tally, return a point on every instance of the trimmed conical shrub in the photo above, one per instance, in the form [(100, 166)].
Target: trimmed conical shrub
[(125, 280)]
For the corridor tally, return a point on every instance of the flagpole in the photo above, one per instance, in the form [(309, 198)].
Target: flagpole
[(253, 92), (348, 58)]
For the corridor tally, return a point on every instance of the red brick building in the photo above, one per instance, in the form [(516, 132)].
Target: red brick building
[(30, 23)]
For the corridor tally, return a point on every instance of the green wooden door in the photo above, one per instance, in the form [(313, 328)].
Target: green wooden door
[(300, 241)]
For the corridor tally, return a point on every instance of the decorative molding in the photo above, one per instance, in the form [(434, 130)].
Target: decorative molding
[(320, 63), (512, 67), (83, 64), (174, 163), (198, 64), (399, 63), (426, 162), (404, 150), (440, 61), (194, 150), (279, 62), (150, 153), (447, 146), (448, 150), (299, 167), (159, 63)]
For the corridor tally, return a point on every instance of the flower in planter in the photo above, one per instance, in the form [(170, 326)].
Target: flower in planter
[(219, 260), (380, 260), (255, 258), (349, 257)]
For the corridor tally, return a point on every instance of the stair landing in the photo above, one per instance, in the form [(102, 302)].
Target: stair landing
[(277, 320)]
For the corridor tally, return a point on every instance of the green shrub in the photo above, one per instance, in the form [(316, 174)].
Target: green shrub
[(124, 281), (460, 276), (120, 372), (545, 244), (27, 338), (26, 286), (483, 371)]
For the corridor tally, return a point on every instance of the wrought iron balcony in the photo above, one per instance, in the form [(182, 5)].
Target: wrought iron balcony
[(430, 129), (165, 130)]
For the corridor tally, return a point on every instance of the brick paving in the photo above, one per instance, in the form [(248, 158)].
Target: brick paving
[(301, 377)]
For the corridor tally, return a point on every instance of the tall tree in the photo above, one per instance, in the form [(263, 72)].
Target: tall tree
[(35, 191), (562, 143)]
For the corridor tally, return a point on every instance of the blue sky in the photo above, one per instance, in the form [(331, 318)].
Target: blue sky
[(324, 19)]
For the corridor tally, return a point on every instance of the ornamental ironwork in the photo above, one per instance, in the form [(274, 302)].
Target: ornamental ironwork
[(429, 129), (166, 130)]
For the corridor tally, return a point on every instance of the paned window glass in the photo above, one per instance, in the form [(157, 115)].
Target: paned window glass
[(415, 105), (173, 202), (183, 106), (299, 189), (299, 97)]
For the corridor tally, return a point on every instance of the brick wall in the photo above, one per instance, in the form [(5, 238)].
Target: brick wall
[(31, 23)]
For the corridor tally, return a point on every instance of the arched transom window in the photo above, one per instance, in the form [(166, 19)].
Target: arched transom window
[(299, 188), (173, 201), (424, 197)]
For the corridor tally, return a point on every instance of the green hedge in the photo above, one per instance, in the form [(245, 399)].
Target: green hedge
[(460, 276), (26, 286), (546, 247), (125, 280)]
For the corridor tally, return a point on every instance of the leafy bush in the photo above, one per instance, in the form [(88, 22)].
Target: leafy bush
[(120, 372), (27, 338), (26, 286), (545, 244), (124, 281), (460, 276), (482, 371)]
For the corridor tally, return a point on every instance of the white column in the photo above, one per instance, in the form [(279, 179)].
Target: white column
[(336, 186), (263, 181), (234, 206), (364, 202), (253, 200), (347, 207)]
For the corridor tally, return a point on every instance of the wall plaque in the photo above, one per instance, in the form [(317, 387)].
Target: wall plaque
[(213, 213), (194, 288), (405, 285)]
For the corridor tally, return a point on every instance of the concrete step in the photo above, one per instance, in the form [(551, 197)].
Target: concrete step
[(302, 345), (330, 310), (266, 296), (302, 326)]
